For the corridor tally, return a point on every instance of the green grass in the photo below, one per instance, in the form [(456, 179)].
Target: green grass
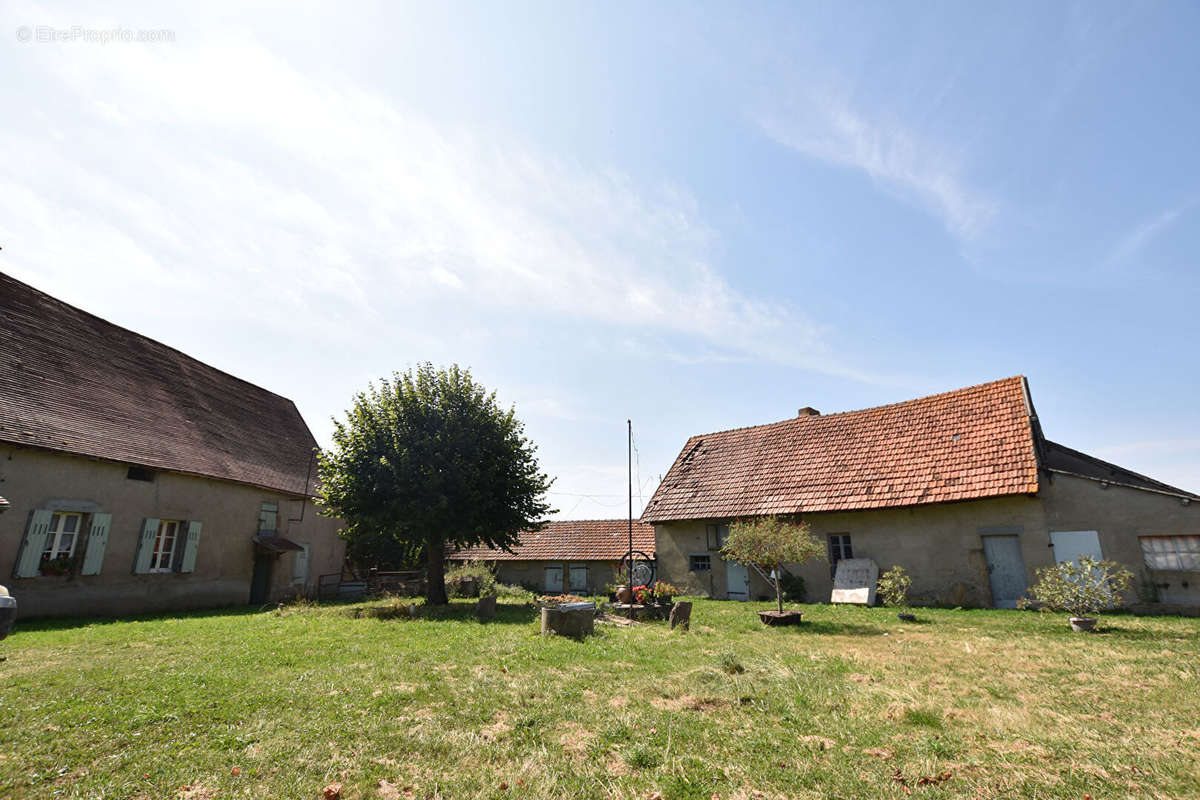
[(852, 704)]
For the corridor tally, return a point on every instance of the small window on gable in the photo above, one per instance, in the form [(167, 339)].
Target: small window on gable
[(699, 562), (140, 474), (839, 548)]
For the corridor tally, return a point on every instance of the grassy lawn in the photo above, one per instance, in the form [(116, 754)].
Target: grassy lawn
[(239, 704)]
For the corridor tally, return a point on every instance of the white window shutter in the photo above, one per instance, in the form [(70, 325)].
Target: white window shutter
[(145, 549), (35, 542), (96, 543), (193, 544)]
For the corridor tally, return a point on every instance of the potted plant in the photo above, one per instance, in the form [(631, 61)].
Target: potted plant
[(893, 591), (1083, 589), (56, 566), (768, 543), (664, 592)]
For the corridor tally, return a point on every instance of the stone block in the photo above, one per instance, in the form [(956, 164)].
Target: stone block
[(681, 615), (486, 607)]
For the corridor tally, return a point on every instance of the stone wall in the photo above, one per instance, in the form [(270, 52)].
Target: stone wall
[(941, 545), (34, 479)]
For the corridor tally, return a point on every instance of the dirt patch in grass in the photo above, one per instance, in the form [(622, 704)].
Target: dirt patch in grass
[(687, 702), (575, 739), (197, 791)]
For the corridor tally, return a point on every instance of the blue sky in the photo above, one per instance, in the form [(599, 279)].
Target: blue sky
[(696, 215)]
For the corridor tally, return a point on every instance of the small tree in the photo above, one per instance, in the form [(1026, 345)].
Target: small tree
[(893, 587), (429, 460), (1083, 589), (771, 542)]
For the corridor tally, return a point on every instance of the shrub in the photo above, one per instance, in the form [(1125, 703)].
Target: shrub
[(771, 542), (1083, 589), (459, 580), (514, 592), (893, 587)]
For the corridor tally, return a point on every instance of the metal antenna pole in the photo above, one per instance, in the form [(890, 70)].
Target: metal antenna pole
[(629, 422)]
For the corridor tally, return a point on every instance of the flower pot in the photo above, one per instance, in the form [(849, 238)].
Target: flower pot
[(784, 618), (905, 616), (1083, 624)]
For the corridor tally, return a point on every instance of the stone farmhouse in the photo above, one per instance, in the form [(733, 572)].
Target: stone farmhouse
[(961, 489), (139, 479)]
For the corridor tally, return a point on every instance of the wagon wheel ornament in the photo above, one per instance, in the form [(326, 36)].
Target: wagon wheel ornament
[(639, 567)]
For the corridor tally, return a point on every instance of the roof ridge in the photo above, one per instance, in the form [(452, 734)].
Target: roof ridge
[(144, 337), (606, 519), (859, 410)]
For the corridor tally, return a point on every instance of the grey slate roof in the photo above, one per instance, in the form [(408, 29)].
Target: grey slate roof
[(1060, 458), (74, 383)]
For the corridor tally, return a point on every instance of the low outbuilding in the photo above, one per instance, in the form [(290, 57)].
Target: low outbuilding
[(566, 556)]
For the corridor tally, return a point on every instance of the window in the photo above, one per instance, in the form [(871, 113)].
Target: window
[(839, 548), (162, 557), (60, 539), (1181, 553), (140, 474), (699, 562), (716, 534)]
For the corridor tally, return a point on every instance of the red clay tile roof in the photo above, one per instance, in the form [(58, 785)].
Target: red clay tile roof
[(572, 540), (962, 445), (71, 382)]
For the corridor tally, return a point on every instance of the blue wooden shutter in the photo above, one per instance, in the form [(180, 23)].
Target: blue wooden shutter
[(30, 558), (96, 543), (145, 548), (193, 544)]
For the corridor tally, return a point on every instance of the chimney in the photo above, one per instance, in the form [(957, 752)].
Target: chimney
[(808, 411)]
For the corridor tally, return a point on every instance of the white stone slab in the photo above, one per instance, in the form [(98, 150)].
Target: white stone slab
[(854, 581)]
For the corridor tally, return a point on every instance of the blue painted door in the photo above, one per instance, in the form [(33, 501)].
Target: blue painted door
[(1006, 569)]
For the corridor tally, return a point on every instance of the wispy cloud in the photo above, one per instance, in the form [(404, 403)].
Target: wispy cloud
[(893, 154), (1131, 244), (234, 167)]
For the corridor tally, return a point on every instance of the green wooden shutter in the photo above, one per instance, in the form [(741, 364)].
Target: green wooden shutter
[(193, 544), (267, 518), (96, 543), (34, 543), (145, 548)]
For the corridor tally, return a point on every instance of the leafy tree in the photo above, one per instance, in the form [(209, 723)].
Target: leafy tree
[(429, 460), (1083, 589), (771, 542)]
